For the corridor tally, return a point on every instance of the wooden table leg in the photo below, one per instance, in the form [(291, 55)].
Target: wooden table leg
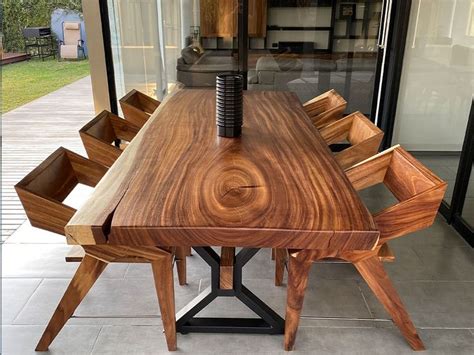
[(86, 275), (181, 254), (280, 261), (374, 274), (163, 274), (298, 271)]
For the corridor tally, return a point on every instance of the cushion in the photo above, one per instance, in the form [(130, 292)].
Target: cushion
[(190, 55), (71, 25), (69, 51)]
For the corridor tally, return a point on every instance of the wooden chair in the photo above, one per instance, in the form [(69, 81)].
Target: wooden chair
[(138, 107), (99, 135), (363, 136), (420, 193), (325, 108), (42, 193)]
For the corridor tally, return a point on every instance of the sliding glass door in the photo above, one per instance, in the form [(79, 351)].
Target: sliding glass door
[(303, 46), (309, 47), (436, 90)]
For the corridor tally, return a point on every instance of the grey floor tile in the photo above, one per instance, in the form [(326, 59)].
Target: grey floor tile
[(456, 263), (110, 301), (27, 234), (379, 341), (130, 340), (72, 340), (15, 294), (439, 234), (431, 303), (45, 261), (151, 340), (324, 298)]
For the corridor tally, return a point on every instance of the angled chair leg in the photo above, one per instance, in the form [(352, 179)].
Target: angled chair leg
[(188, 251), (273, 253), (298, 271), (181, 254), (280, 261), (163, 275), (86, 275), (374, 274)]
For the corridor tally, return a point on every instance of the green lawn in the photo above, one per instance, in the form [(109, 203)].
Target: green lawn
[(25, 81)]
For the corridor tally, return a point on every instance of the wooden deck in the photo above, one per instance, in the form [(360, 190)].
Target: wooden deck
[(31, 132), (9, 58)]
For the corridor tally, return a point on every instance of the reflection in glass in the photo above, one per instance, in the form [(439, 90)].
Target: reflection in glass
[(437, 84), (307, 47)]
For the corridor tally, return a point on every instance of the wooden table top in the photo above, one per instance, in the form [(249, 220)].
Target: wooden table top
[(178, 183)]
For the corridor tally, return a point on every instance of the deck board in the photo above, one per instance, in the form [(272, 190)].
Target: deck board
[(33, 131)]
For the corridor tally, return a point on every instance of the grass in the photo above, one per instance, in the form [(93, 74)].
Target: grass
[(25, 81)]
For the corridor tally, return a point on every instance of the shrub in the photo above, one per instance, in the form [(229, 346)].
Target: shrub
[(18, 14)]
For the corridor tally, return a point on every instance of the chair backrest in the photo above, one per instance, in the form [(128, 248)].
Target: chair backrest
[(138, 107), (325, 108), (363, 135), (44, 189), (72, 33), (417, 189), (99, 134)]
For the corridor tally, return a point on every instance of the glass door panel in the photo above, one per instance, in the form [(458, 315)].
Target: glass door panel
[(436, 87), (313, 46), (158, 43)]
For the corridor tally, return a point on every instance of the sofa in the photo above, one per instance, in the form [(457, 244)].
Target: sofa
[(307, 77), (310, 77), (201, 70)]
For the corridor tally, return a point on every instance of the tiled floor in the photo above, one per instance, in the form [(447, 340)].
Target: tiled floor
[(446, 167), (434, 274)]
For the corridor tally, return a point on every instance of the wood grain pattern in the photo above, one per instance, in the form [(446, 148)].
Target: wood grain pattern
[(99, 134), (364, 138), (226, 281), (257, 18), (219, 18), (246, 191), (42, 191), (95, 260), (325, 108), (299, 266), (280, 263), (138, 107), (420, 193), (374, 274), (86, 275)]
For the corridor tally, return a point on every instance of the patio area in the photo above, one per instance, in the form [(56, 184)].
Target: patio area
[(33, 131), (433, 273)]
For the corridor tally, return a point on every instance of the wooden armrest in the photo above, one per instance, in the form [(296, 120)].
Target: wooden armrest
[(409, 216), (44, 189)]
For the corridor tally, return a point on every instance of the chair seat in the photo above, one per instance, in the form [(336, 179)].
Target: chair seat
[(69, 51)]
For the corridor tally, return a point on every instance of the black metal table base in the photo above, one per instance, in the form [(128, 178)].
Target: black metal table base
[(268, 323)]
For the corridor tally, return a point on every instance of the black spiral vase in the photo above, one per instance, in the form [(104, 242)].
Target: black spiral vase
[(229, 105)]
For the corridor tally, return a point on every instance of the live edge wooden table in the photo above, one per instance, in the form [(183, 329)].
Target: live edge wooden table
[(278, 186)]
